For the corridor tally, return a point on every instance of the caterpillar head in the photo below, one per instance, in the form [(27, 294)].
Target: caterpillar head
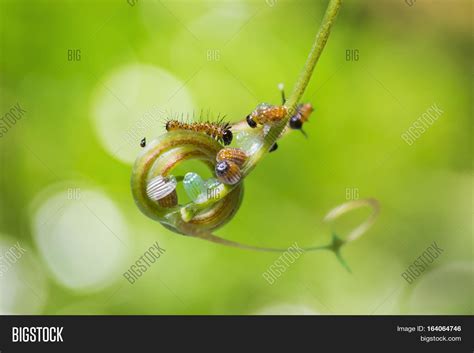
[(250, 121), (295, 122), (227, 136)]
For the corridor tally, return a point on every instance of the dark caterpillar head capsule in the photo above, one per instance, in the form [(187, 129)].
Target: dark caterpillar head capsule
[(250, 121), (227, 136), (228, 172), (273, 148), (296, 122), (301, 116), (143, 142)]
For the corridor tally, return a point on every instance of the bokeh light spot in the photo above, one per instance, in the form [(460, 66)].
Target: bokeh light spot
[(133, 102), (82, 237)]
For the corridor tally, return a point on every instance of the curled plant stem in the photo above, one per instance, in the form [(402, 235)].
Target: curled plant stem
[(293, 100), (349, 206), (336, 242), (158, 159)]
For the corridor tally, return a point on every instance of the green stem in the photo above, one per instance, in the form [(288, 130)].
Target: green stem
[(293, 100), (319, 43)]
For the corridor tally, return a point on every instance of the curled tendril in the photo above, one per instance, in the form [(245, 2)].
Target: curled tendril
[(336, 242), (154, 185), (159, 158)]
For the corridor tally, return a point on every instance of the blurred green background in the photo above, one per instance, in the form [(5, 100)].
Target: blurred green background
[(94, 77)]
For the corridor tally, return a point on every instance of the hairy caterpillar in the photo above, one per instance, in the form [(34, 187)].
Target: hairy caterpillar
[(266, 114), (219, 131)]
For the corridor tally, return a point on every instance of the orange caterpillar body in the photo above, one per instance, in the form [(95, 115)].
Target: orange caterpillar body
[(219, 131), (266, 114)]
